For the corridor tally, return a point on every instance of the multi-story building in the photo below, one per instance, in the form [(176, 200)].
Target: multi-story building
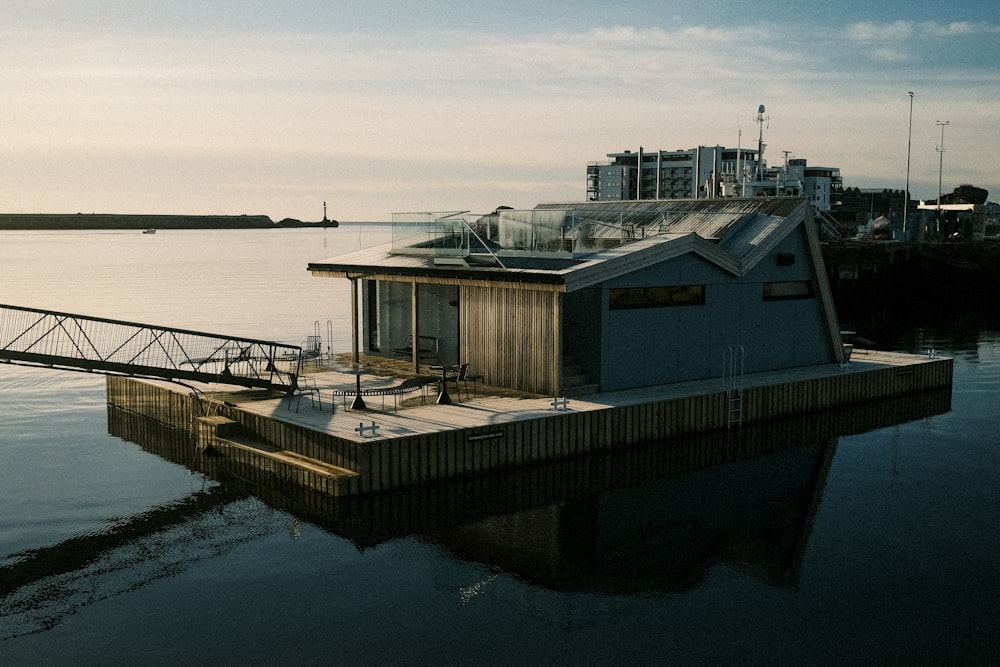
[(704, 172), (822, 185), (708, 172)]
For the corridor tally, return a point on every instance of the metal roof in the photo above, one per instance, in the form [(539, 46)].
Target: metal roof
[(734, 234), (711, 219)]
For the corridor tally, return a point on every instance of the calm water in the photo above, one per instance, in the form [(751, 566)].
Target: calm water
[(869, 538)]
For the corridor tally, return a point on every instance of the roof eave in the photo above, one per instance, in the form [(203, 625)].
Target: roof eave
[(434, 274)]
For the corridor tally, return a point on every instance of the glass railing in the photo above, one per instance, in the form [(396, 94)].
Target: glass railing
[(549, 232), (444, 234)]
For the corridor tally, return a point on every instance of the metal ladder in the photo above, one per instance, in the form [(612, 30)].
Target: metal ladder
[(732, 382)]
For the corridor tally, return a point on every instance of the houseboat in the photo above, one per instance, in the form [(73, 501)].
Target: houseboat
[(591, 297), (660, 319)]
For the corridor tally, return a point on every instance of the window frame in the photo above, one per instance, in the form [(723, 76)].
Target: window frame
[(659, 296)]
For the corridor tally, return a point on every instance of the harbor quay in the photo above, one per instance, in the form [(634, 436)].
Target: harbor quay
[(314, 438)]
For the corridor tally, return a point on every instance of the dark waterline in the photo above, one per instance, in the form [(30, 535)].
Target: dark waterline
[(862, 537)]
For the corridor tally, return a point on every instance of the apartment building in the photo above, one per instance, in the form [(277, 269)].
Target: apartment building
[(708, 172)]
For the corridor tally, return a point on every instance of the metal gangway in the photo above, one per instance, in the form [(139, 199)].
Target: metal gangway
[(53, 339)]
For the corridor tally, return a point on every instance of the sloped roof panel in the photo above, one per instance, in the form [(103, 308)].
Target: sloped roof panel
[(645, 253), (731, 233), (711, 219)]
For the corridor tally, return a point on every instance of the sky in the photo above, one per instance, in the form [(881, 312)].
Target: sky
[(263, 107)]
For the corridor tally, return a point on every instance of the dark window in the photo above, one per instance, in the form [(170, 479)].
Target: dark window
[(656, 297), (372, 287), (798, 289)]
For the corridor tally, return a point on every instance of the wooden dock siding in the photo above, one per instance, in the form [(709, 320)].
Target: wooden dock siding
[(385, 464), (797, 397)]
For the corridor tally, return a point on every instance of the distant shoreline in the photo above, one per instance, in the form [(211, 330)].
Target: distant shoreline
[(58, 221)]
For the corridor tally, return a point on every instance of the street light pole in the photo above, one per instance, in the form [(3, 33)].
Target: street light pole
[(941, 162), (909, 143)]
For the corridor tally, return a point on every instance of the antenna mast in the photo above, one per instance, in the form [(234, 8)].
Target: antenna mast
[(940, 150), (760, 119), (740, 172), (909, 143)]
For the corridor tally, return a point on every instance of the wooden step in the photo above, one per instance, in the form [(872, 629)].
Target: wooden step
[(580, 389), (284, 456)]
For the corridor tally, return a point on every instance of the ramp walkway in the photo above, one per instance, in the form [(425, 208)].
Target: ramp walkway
[(53, 339)]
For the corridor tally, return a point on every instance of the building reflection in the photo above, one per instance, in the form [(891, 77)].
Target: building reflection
[(651, 518)]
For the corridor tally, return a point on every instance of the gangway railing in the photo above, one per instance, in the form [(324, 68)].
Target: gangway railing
[(54, 339)]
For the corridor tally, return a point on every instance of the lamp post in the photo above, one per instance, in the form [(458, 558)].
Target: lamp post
[(941, 163), (909, 143)]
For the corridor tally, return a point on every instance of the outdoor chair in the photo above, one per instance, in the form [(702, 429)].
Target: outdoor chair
[(464, 377), (303, 385), (473, 378), (463, 370)]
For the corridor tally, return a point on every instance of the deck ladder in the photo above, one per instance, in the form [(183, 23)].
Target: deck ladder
[(732, 381)]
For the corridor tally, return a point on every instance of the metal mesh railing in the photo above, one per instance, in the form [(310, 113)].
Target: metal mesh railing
[(49, 338)]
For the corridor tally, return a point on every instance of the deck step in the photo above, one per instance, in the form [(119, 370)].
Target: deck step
[(283, 456), (572, 380), (576, 380), (580, 389)]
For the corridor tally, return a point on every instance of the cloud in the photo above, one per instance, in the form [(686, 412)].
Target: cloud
[(869, 31), (254, 112), (900, 31), (957, 29), (909, 41)]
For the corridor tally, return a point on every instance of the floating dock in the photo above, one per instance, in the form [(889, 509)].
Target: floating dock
[(313, 440)]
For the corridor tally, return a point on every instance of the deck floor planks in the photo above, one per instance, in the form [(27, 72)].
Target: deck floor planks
[(491, 412), (430, 441), (484, 411)]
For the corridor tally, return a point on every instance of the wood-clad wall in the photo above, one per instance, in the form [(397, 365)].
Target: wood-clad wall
[(792, 398), (392, 463), (508, 336), (173, 405)]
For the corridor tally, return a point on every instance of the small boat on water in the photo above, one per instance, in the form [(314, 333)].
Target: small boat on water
[(149, 231)]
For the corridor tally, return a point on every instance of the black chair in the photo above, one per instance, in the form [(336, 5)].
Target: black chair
[(463, 370), (303, 385), (464, 376), (473, 379)]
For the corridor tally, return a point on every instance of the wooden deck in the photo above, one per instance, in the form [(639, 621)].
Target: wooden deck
[(488, 409), (377, 450)]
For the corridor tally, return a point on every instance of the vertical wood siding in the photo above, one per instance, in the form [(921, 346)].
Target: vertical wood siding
[(507, 336)]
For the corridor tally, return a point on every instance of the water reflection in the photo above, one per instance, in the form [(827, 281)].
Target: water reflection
[(652, 518), (44, 586), (646, 518)]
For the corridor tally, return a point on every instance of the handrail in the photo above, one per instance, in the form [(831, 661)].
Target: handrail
[(35, 337)]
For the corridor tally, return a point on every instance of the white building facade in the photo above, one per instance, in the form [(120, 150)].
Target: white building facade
[(708, 172)]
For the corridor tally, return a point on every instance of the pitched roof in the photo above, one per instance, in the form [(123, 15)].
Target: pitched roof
[(708, 218), (734, 234)]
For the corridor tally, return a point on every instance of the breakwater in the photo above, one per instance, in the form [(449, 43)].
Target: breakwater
[(58, 221)]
